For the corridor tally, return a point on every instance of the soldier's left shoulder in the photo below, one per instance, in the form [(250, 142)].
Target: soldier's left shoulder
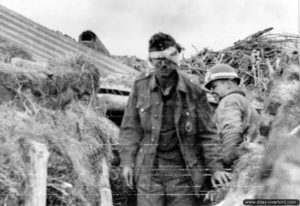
[(238, 97), (235, 99), (195, 87), (191, 80)]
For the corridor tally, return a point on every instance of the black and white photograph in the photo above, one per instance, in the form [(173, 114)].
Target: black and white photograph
[(149, 103)]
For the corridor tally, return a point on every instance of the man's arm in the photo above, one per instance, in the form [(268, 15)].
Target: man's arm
[(231, 128), (208, 137), (210, 143), (130, 131), (129, 137)]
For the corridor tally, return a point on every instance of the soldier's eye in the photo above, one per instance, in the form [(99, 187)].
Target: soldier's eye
[(174, 53)]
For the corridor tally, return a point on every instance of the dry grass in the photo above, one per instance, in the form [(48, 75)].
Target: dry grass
[(133, 61), (52, 87), (56, 105), (246, 173), (77, 138)]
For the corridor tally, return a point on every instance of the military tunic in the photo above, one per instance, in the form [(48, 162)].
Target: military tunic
[(195, 130)]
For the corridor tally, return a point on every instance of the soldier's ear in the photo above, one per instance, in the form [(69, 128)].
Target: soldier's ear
[(150, 61), (233, 82)]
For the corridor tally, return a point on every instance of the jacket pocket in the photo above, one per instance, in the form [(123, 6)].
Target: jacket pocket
[(144, 113), (187, 123)]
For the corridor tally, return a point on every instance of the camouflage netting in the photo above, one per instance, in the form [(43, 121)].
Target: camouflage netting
[(56, 105)]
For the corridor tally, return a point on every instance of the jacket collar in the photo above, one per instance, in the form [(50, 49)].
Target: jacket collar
[(181, 85), (236, 92)]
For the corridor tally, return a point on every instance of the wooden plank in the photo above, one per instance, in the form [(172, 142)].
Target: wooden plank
[(37, 181), (105, 191)]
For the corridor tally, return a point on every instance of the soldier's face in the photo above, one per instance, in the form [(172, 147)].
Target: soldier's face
[(220, 88), (163, 67)]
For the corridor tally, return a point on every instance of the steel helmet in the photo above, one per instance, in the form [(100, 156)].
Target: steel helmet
[(220, 71)]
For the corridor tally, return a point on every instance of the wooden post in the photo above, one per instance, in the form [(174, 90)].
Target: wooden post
[(105, 191), (39, 155)]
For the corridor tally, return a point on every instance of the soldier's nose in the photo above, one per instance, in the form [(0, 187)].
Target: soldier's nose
[(163, 63)]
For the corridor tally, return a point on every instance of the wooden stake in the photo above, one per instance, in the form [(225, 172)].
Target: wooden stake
[(271, 69), (105, 191), (39, 155)]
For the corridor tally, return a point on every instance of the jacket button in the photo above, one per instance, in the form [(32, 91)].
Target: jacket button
[(142, 110), (153, 128), (190, 165), (152, 140), (156, 115), (187, 114)]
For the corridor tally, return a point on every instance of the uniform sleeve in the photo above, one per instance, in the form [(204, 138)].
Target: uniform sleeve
[(209, 139), (130, 131), (230, 126)]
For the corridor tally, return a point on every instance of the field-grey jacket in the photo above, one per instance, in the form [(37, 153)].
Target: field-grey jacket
[(140, 128)]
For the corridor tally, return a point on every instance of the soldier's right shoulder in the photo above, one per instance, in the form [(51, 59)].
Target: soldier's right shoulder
[(143, 75)]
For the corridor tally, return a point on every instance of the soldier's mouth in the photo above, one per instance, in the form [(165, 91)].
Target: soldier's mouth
[(164, 69)]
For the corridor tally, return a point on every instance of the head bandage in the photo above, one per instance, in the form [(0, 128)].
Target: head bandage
[(170, 53)]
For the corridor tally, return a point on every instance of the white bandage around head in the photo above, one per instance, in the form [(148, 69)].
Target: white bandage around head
[(170, 53)]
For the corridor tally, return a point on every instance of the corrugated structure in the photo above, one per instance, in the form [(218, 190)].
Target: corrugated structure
[(45, 44), (90, 39)]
